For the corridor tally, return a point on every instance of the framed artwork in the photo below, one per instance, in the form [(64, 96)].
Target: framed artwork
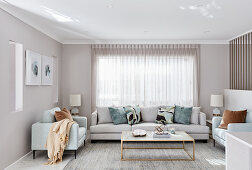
[(33, 68), (47, 70)]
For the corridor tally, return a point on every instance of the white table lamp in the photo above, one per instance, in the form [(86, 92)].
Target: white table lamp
[(75, 102), (216, 101)]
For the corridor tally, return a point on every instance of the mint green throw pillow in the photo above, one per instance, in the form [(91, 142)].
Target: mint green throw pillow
[(182, 115), (118, 115)]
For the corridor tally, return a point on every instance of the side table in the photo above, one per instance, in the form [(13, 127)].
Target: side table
[(209, 124)]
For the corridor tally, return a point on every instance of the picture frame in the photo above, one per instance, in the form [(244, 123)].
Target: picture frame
[(33, 68), (47, 70)]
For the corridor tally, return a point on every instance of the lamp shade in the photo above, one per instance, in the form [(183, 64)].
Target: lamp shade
[(216, 101), (75, 100)]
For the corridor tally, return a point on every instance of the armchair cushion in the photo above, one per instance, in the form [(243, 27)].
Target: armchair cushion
[(48, 115)]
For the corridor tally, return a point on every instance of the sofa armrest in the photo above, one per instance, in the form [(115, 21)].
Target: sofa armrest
[(82, 121), (216, 122), (39, 135), (40, 132), (94, 118), (73, 137), (202, 119), (239, 127)]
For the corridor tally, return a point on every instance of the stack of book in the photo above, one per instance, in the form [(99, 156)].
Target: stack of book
[(164, 135)]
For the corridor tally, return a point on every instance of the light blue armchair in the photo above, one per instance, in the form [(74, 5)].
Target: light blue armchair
[(77, 137), (219, 135)]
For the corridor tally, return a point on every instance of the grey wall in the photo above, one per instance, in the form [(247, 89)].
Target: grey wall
[(76, 71), (16, 127), (214, 73)]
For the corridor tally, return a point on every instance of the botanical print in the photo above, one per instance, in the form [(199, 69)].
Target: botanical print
[(47, 70), (33, 68)]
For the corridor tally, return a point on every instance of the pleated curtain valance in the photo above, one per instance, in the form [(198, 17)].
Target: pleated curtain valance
[(145, 74)]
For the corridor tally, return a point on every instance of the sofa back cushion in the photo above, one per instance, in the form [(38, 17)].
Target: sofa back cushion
[(48, 115), (149, 114), (249, 116), (195, 115), (103, 115)]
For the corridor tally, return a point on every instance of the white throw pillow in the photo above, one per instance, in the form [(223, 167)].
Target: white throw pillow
[(103, 115), (195, 115), (149, 114)]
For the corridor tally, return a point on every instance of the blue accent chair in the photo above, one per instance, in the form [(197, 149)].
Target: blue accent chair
[(40, 130), (219, 135)]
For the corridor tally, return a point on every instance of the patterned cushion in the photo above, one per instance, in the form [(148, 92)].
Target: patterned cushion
[(182, 115), (118, 115), (133, 114), (165, 115)]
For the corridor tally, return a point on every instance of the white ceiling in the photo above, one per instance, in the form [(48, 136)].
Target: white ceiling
[(136, 21)]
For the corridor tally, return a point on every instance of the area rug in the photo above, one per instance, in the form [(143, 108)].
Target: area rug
[(106, 155)]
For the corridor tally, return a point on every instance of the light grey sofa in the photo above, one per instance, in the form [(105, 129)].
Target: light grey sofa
[(77, 137), (102, 127), (219, 135)]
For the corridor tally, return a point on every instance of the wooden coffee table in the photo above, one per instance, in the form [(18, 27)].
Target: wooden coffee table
[(180, 136)]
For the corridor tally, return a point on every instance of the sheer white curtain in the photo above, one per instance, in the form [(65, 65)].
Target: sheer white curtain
[(145, 75)]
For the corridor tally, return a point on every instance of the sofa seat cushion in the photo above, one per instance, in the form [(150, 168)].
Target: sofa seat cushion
[(110, 128), (191, 129), (221, 133), (82, 132), (145, 126)]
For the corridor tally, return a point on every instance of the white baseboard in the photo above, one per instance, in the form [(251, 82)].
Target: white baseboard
[(17, 160)]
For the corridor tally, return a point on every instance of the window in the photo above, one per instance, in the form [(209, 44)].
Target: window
[(145, 78), (16, 77)]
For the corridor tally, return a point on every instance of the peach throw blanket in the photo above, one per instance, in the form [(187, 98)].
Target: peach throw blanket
[(57, 140)]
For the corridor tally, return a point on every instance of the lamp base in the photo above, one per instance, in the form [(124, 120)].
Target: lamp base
[(75, 111), (216, 112)]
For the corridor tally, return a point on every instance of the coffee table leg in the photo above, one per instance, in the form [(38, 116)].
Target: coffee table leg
[(121, 149), (193, 149), (183, 145)]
